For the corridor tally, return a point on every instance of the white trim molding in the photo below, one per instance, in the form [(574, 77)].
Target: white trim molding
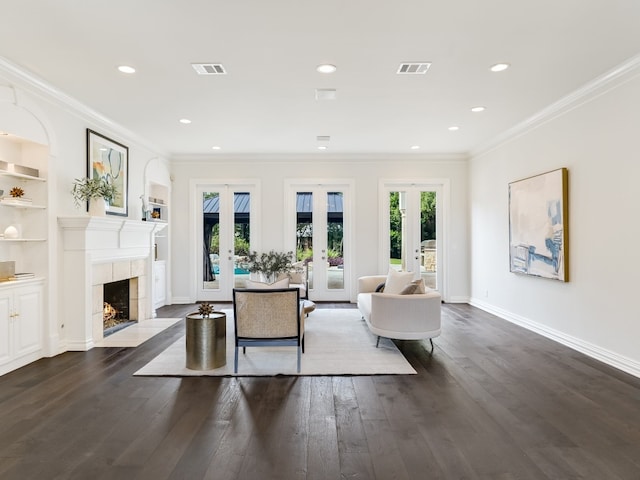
[(612, 359), (41, 88), (588, 92)]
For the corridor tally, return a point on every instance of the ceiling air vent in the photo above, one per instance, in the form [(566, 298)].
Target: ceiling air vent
[(325, 93), (416, 68), (323, 138), (209, 68)]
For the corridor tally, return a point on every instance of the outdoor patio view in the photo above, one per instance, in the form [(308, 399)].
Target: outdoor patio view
[(333, 226), (413, 247)]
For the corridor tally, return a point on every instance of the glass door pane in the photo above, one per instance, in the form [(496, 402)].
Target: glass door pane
[(241, 236), (397, 223), (428, 244), (335, 241), (211, 241), (304, 232)]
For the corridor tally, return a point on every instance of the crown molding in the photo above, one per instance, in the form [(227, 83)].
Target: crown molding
[(36, 86), (445, 158), (591, 90)]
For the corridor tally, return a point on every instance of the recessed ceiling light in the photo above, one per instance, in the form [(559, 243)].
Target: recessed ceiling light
[(185, 121), (478, 109), (454, 128), (322, 147), (326, 68), (499, 67), (415, 147), (215, 147), (126, 69)]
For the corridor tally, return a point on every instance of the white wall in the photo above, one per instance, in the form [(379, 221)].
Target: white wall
[(597, 310), (64, 123), (365, 174)]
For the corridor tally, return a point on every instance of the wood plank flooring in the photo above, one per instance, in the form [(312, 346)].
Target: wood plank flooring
[(494, 401)]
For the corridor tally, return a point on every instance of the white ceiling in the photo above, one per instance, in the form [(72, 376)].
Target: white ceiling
[(270, 49)]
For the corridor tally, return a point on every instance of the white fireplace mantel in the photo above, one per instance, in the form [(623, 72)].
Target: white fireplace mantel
[(108, 237), (92, 246)]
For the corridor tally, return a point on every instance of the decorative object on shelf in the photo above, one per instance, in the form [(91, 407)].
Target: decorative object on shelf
[(21, 170), (7, 271), (156, 213), (145, 207), (16, 192), (205, 309), (269, 265), (12, 232), (15, 200), (538, 210), (96, 191), (109, 160)]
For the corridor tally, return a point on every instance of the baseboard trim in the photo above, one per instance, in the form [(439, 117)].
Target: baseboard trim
[(608, 357), (457, 300), (181, 300), (80, 346)]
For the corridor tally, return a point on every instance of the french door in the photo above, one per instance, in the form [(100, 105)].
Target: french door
[(318, 229), (225, 230), (412, 223)]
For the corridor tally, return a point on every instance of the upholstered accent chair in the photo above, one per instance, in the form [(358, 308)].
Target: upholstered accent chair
[(268, 318), (412, 316)]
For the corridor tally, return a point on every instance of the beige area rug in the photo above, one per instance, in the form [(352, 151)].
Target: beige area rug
[(337, 342), (138, 333)]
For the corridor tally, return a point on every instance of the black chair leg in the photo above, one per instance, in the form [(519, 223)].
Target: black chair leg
[(431, 341), (378, 341)]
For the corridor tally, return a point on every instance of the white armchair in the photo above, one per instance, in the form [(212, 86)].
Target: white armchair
[(403, 317)]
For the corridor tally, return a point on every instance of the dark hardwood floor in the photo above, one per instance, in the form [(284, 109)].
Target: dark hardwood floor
[(494, 401)]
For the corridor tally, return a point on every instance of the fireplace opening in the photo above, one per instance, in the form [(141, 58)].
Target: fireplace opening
[(116, 307)]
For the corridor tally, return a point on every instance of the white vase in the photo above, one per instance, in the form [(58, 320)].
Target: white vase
[(97, 207), (11, 232)]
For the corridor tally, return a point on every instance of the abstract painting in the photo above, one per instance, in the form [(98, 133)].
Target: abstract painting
[(538, 225), (110, 160)]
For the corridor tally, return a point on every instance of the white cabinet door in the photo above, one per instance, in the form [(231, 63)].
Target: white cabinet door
[(20, 326), (159, 283), (26, 322), (5, 325)]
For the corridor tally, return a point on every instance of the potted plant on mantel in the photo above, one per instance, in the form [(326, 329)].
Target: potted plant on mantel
[(96, 191), (269, 265)]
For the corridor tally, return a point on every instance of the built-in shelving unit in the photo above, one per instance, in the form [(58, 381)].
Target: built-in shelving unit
[(27, 214), (158, 202), (26, 245), (158, 199)]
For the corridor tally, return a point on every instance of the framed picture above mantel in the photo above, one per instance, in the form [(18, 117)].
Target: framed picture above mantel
[(109, 159), (538, 222)]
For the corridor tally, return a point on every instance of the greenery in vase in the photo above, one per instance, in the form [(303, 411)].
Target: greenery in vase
[(269, 264), (85, 189)]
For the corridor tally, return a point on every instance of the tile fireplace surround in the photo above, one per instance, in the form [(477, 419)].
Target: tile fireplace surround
[(98, 250)]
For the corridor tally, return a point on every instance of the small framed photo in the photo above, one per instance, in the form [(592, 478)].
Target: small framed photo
[(109, 159)]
